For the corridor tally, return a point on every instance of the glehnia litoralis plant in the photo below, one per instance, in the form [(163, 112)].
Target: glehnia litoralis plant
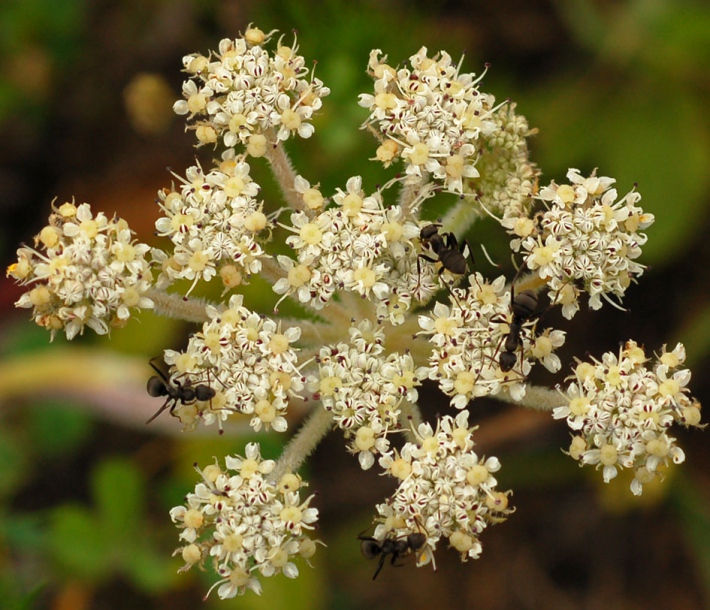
[(372, 280)]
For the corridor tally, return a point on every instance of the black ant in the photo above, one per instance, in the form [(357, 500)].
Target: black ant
[(523, 306), (396, 547), (183, 393), (449, 252)]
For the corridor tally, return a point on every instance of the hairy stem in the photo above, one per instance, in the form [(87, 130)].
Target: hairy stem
[(303, 443), (536, 397), (460, 218), (284, 173), (410, 419), (271, 271), (176, 306)]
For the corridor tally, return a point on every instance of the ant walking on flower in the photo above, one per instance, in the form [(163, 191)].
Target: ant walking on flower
[(396, 547), (447, 250), (176, 392), (523, 307)]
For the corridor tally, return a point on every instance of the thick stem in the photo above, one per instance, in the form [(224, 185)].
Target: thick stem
[(407, 196), (284, 173), (317, 334), (271, 271), (303, 443), (176, 306), (460, 218), (410, 418), (536, 397)]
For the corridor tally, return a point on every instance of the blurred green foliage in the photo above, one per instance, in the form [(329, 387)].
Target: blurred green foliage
[(113, 536), (39, 39)]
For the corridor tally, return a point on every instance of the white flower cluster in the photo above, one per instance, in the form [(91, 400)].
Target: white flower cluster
[(469, 337), (363, 388), (213, 220), (622, 410), (246, 518), (508, 179), (446, 490), (247, 360), (242, 92), (430, 116), (585, 236), (246, 523), (357, 245), (90, 273)]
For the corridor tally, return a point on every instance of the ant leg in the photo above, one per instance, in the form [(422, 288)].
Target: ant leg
[(467, 252), (450, 287), (165, 406), (380, 565), (419, 269)]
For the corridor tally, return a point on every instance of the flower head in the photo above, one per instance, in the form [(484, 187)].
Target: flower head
[(507, 178), (622, 411), (469, 337), (446, 490), (213, 221), (429, 115), (245, 524), (357, 245), (89, 272), (248, 360), (363, 388), (242, 92), (587, 237)]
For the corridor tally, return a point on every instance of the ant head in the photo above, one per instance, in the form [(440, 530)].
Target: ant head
[(507, 361), (429, 231)]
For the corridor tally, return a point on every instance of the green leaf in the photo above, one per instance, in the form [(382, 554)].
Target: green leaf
[(14, 597), (692, 506), (78, 545), (13, 462), (24, 531), (152, 571), (695, 335), (646, 135), (59, 427), (306, 591), (118, 488), (650, 136)]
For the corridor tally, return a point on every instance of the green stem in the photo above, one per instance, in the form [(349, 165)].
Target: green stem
[(410, 418), (271, 271), (460, 218)]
